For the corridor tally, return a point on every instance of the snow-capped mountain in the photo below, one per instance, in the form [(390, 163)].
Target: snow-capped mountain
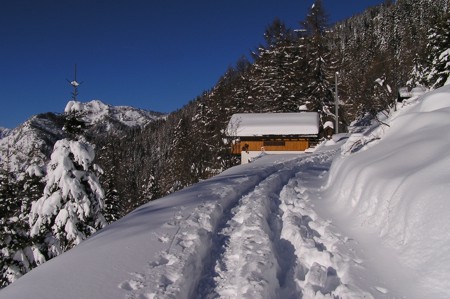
[(97, 113), (32, 142), (34, 139), (365, 216), (3, 132)]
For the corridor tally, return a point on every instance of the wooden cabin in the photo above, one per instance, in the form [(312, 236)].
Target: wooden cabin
[(273, 133)]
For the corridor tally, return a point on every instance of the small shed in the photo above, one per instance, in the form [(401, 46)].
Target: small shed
[(328, 129), (275, 133)]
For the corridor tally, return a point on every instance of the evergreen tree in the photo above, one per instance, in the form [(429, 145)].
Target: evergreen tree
[(277, 33), (71, 208), (8, 267), (438, 50), (320, 69), (180, 156), (113, 208), (109, 156), (18, 254), (276, 76)]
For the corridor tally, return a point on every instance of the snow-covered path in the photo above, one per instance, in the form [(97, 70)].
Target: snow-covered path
[(250, 232), (186, 269), (265, 241)]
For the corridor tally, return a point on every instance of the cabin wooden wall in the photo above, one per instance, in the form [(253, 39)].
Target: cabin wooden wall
[(293, 144)]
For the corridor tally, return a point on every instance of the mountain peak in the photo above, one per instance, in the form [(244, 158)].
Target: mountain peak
[(4, 132), (96, 111)]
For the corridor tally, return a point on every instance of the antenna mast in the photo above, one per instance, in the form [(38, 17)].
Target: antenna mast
[(75, 85)]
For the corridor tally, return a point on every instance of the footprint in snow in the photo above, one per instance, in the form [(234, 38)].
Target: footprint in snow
[(133, 284), (164, 259), (164, 238)]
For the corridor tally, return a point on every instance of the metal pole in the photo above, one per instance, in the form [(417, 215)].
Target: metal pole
[(336, 101)]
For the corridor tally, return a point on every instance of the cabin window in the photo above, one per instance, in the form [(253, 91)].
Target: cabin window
[(274, 143)]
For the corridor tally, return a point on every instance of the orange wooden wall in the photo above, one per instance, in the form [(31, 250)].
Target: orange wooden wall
[(271, 145)]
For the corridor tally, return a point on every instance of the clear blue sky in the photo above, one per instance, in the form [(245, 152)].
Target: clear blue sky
[(156, 55)]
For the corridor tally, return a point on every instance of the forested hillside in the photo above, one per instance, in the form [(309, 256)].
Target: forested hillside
[(371, 55), (375, 53)]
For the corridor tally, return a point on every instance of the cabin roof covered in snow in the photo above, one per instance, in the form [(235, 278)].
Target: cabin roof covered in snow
[(263, 124)]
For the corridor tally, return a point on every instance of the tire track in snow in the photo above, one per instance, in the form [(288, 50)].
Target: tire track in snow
[(261, 240), (251, 260), (246, 263), (176, 272)]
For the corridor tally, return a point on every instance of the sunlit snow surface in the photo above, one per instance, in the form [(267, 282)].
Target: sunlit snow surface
[(397, 190), (375, 225), (260, 124)]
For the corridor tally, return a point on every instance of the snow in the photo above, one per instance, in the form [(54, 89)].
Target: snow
[(35, 170), (303, 108), (328, 124), (26, 140), (4, 132), (221, 237), (395, 188), (260, 124), (361, 217), (97, 112), (66, 203)]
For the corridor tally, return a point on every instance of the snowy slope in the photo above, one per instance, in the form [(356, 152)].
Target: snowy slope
[(374, 226), (222, 237), (396, 189)]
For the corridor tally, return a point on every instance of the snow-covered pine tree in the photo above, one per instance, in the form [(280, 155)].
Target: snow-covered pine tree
[(417, 76), (7, 209), (18, 255), (276, 76), (108, 156), (71, 208), (180, 156), (438, 50), (113, 207), (320, 69)]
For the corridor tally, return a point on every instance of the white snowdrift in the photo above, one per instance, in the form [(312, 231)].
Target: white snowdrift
[(397, 188)]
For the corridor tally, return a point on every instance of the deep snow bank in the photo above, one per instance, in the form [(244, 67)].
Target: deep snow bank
[(396, 184)]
